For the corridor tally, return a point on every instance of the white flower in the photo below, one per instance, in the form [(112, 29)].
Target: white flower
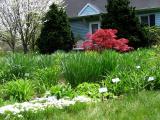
[(26, 74), (151, 79), (103, 90), (41, 104), (20, 116), (45, 21), (138, 67), (116, 80)]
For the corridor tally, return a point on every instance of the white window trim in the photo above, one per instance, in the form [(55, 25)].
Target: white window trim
[(88, 5), (90, 25), (148, 15)]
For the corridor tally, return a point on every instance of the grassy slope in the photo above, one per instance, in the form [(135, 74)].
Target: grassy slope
[(144, 106)]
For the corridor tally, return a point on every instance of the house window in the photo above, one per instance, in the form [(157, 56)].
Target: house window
[(148, 20), (94, 26)]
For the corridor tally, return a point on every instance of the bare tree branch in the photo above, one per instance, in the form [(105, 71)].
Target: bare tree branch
[(20, 19)]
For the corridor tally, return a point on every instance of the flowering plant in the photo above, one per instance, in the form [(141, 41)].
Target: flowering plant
[(106, 39)]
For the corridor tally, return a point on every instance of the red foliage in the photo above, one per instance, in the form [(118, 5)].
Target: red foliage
[(106, 39), (88, 45)]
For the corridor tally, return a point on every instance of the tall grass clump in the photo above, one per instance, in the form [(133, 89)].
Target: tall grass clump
[(109, 61), (82, 67), (88, 66), (48, 76), (16, 66)]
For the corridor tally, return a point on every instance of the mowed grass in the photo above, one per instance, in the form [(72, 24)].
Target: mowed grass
[(142, 106)]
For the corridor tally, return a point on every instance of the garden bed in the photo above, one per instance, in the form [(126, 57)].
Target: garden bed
[(24, 78)]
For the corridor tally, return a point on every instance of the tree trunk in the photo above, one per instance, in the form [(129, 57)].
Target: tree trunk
[(25, 48), (13, 49), (33, 47)]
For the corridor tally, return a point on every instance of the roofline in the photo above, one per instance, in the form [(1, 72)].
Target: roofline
[(149, 10), (138, 11), (90, 5), (80, 17)]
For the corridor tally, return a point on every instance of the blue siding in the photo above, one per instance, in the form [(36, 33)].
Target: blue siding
[(157, 19), (80, 28), (88, 11)]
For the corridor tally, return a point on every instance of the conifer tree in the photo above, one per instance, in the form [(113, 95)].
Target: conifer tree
[(122, 16), (56, 33)]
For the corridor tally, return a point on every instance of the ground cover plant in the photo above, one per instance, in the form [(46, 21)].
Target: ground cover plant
[(23, 78), (144, 105)]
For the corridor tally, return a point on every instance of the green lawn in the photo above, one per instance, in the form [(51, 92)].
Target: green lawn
[(143, 106)]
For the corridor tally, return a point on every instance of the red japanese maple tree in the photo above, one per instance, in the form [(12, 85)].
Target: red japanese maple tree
[(106, 39)]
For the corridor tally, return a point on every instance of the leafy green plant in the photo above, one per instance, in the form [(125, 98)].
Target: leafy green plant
[(153, 35), (61, 90), (39, 88), (131, 81), (20, 90), (88, 89), (47, 76), (1, 102)]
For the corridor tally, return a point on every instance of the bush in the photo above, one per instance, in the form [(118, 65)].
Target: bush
[(153, 35), (20, 90), (122, 16), (56, 33), (106, 39)]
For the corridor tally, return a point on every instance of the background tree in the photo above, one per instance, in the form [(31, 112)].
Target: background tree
[(9, 37), (56, 33), (21, 19), (122, 16)]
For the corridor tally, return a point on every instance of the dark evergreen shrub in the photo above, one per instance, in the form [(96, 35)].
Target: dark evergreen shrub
[(122, 16), (56, 33)]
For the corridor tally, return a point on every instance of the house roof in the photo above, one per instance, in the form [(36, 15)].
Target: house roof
[(75, 6)]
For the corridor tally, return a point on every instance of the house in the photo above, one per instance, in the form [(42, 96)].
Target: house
[(85, 15)]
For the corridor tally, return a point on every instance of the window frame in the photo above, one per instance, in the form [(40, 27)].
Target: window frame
[(91, 23), (148, 16)]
